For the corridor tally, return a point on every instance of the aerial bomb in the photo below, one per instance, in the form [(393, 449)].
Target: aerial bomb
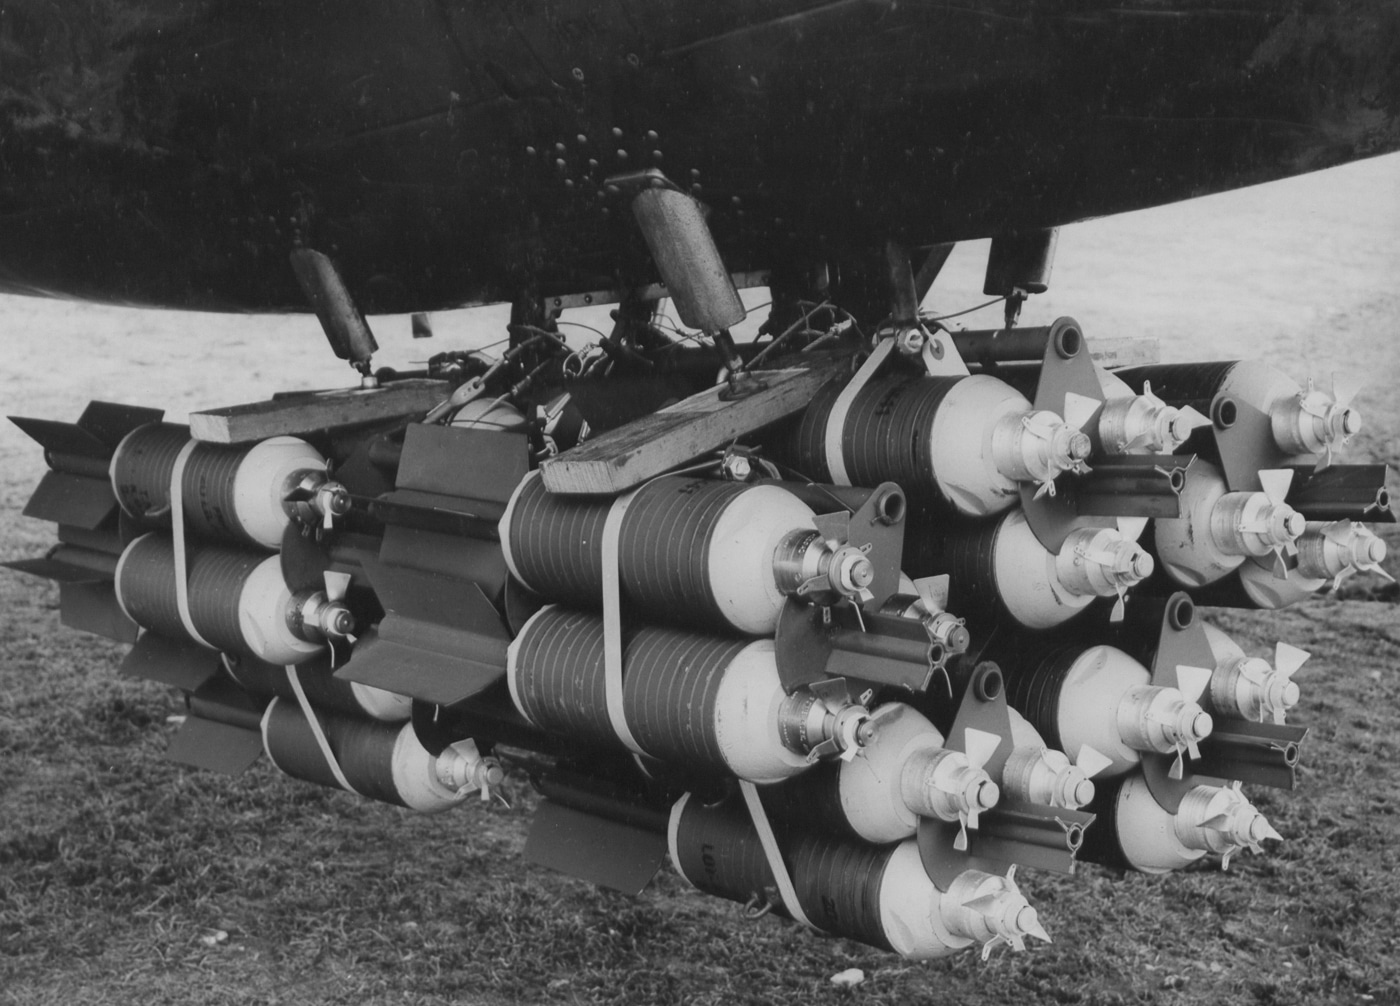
[(237, 600), (960, 444), (753, 633), (880, 895), (1100, 697), (903, 773), (1327, 553), (247, 493), (1218, 530), (381, 761), (1133, 831), (693, 551), (705, 701), (1000, 570), (1301, 420)]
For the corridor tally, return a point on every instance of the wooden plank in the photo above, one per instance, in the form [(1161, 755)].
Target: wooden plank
[(629, 455), (316, 410), (1124, 352)]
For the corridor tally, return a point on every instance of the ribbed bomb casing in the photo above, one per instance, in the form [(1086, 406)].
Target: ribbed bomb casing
[(690, 551), (839, 883), (141, 467), (145, 585), (238, 600), (381, 761), (815, 799), (932, 435), (884, 436), (228, 492), (699, 700), (1033, 690)]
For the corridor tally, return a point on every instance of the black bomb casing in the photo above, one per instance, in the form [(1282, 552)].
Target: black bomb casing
[(958, 444)]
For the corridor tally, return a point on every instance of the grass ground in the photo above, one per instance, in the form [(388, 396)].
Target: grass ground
[(118, 871)]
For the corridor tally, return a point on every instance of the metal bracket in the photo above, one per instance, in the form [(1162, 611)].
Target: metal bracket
[(1181, 641), (868, 649), (1341, 492), (1263, 754), (1244, 438), (1068, 386), (873, 521), (1011, 832), (1142, 485)]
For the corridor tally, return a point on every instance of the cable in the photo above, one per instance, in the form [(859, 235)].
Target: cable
[(579, 324), (753, 364), (959, 314)]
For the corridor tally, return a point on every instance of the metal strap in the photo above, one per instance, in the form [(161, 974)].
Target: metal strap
[(836, 421), (612, 621), (177, 528), (314, 721), (769, 841)]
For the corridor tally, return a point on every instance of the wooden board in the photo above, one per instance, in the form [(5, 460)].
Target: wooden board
[(315, 410), (629, 455)]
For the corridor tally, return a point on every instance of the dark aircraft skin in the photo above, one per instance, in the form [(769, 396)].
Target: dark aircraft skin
[(172, 152)]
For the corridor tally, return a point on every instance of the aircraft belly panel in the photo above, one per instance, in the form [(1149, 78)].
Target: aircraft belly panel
[(167, 154)]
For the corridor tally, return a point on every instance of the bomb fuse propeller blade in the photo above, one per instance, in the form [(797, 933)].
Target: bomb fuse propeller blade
[(1091, 761)]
